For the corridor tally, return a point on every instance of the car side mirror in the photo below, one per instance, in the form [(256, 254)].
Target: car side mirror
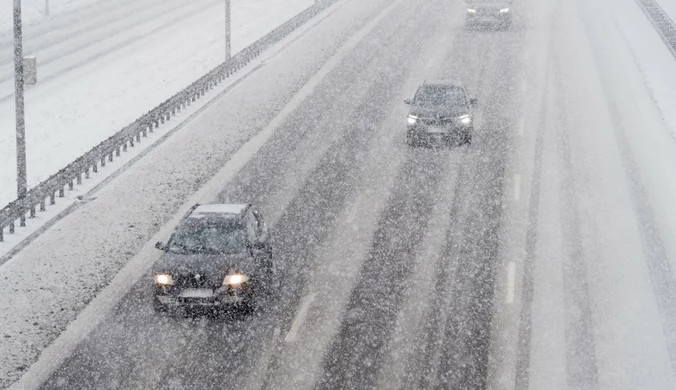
[(161, 246), (473, 101), (408, 101)]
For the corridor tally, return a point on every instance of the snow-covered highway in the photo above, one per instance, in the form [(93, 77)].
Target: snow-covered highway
[(540, 257)]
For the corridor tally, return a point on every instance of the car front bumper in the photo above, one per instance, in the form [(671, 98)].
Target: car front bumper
[(431, 134), (489, 18), (222, 297)]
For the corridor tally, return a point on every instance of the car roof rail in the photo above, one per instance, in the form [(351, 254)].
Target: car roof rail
[(192, 208), (246, 208)]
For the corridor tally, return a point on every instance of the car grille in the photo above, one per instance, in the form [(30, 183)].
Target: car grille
[(487, 11), (436, 121), (191, 281)]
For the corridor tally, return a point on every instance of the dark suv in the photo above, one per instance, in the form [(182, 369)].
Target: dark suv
[(218, 256), (441, 111)]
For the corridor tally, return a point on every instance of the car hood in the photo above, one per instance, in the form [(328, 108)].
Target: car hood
[(206, 264), (432, 112)]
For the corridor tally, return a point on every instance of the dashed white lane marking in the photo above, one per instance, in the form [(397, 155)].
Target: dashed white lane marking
[(511, 270), (517, 187), (300, 317)]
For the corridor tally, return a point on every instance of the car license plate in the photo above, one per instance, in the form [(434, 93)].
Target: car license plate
[(437, 130), (197, 293)]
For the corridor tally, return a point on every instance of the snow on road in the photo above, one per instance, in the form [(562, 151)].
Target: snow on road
[(601, 312), (68, 115)]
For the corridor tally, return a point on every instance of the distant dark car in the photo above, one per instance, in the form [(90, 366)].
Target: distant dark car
[(219, 256), (441, 111), (489, 13)]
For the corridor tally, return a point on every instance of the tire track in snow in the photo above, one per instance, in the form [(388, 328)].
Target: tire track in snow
[(581, 370)]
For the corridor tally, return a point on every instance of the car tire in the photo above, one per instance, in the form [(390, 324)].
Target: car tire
[(467, 138)]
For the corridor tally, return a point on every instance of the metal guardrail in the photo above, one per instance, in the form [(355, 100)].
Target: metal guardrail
[(55, 186), (661, 21)]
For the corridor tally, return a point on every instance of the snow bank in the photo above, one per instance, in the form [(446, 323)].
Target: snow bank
[(34, 10), (72, 113), (669, 6)]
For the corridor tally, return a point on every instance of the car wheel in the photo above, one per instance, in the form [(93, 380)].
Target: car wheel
[(467, 138)]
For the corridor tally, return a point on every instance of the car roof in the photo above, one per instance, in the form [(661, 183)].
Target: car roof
[(447, 81), (216, 213), (220, 208)]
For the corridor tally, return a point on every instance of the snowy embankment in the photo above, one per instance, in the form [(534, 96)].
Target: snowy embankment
[(69, 114), (669, 6), (34, 11)]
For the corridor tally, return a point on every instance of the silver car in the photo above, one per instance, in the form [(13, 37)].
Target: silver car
[(489, 13)]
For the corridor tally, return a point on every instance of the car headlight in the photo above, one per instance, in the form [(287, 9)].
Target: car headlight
[(164, 280), (465, 119), (471, 10), (234, 280), (504, 10), (411, 120)]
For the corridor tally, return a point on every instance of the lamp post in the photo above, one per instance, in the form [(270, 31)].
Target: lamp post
[(228, 30), (19, 105)]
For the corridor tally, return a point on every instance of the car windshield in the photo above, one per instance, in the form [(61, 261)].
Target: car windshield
[(210, 239), (439, 95)]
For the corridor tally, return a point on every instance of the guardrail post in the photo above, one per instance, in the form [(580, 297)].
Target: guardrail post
[(32, 211), (11, 227), (43, 207), (79, 178), (70, 185), (2, 234), (103, 161), (110, 156), (87, 173), (95, 167), (19, 107), (61, 193), (52, 199), (124, 146), (117, 151), (138, 137)]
